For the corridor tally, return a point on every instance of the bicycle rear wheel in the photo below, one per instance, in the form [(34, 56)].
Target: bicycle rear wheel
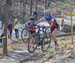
[(32, 44), (24, 35)]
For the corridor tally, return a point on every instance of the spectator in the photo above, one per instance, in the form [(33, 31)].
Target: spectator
[(14, 43), (16, 28), (1, 31), (9, 28)]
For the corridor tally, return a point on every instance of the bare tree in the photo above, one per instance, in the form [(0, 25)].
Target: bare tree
[(6, 15), (31, 5)]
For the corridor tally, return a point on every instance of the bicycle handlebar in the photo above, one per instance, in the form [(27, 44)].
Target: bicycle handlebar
[(42, 28)]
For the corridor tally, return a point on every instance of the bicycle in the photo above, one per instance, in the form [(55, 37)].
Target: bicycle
[(37, 39)]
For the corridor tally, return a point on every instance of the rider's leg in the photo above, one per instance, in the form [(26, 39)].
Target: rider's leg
[(54, 36)]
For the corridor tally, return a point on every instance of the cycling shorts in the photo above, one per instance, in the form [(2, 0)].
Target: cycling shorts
[(54, 26)]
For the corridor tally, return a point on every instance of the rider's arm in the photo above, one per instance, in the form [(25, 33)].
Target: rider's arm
[(41, 19), (28, 25)]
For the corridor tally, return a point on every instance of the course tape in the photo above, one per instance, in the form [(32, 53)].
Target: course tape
[(3, 37)]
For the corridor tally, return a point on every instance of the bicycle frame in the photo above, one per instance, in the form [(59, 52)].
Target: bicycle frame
[(41, 28)]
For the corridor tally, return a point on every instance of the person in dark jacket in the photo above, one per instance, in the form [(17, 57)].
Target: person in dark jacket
[(9, 27)]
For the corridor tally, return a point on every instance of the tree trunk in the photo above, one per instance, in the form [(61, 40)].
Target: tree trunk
[(5, 31), (31, 5)]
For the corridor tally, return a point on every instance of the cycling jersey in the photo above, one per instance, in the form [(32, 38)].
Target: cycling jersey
[(31, 26), (50, 20)]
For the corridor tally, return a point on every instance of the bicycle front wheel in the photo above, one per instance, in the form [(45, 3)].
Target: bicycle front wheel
[(32, 44), (46, 40)]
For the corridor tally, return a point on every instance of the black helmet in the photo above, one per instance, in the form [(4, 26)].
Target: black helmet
[(34, 13), (32, 18)]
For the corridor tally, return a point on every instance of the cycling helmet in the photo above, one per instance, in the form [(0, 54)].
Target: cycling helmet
[(32, 18), (34, 13), (47, 12), (16, 20)]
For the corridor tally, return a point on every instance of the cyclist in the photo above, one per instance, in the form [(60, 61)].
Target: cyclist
[(16, 28), (53, 25)]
